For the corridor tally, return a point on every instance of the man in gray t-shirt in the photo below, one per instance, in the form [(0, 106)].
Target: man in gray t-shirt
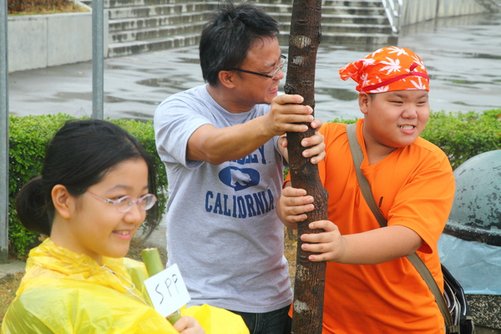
[(220, 145)]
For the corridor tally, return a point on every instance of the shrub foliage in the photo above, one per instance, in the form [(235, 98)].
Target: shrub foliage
[(461, 136), (28, 138), (39, 6)]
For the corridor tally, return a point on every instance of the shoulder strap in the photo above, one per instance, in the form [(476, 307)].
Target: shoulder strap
[(357, 154), (425, 273)]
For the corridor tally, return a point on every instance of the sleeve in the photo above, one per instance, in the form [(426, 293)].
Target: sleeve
[(175, 120), (19, 320), (215, 320), (78, 307), (424, 203)]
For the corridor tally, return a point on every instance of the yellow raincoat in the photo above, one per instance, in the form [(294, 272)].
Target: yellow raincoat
[(64, 292)]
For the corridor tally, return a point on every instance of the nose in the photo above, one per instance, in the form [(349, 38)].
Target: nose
[(135, 215), (410, 111), (280, 75)]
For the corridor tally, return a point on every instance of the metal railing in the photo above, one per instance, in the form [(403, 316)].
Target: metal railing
[(4, 136), (393, 10), (97, 106)]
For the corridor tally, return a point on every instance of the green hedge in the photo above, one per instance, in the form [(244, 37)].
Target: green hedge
[(28, 137), (40, 6), (461, 136)]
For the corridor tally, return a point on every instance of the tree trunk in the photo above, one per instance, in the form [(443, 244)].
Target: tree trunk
[(310, 277)]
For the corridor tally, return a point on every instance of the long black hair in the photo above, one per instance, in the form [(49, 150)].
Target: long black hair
[(78, 156)]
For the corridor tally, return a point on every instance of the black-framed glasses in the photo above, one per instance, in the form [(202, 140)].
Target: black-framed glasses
[(270, 75), (125, 203)]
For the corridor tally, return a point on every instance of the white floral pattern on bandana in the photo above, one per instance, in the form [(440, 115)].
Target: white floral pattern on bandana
[(388, 69)]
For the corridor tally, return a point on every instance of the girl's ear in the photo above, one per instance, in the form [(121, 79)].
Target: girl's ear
[(363, 102), (64, 202)]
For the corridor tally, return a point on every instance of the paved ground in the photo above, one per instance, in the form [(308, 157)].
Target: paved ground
[(11, 267), (463, 56)]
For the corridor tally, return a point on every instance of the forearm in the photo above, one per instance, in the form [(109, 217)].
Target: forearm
[(216, 145), (379, 245)]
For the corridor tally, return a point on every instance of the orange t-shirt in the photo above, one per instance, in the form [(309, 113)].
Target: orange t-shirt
[(414, 187)]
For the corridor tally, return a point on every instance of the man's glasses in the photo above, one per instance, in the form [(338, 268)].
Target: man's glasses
[(271, 75), (125, 203)]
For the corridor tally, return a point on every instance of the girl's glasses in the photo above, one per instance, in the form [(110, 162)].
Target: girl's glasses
[(125, 203)]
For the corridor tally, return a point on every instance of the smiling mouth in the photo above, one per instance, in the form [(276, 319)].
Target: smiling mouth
[(407, 127), (123, 233)]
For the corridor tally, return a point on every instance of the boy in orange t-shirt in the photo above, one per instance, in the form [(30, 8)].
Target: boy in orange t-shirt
[(370, 286)]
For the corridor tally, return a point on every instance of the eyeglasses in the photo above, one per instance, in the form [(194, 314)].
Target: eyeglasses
[(271, 75), (125, 203)]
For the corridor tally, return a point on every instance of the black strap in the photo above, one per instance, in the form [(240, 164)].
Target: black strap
[(425, 273)]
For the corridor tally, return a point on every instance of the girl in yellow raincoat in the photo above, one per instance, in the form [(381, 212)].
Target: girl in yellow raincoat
[(96, 185)]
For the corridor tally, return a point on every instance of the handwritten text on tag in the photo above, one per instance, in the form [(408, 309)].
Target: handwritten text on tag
[(167, 290)]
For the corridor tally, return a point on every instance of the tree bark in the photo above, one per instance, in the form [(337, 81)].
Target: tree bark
[(310, 277)]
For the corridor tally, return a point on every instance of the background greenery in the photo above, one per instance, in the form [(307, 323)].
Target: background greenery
[(461, 136), (28, 137), (42, 6)]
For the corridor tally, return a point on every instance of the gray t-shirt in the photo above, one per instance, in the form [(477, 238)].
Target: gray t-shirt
[(222, 229)]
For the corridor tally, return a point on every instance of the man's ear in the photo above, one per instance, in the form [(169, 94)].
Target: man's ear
[(226, 78), (64, 202), (363, 102)]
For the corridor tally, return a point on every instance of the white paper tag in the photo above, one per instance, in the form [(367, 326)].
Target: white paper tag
[(167, 290)]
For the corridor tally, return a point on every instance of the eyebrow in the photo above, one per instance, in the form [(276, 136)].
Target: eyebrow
[(123, 187), (282, 56), (402, 95)]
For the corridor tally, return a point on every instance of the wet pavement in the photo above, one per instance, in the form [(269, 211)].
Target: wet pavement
[(463, 56)]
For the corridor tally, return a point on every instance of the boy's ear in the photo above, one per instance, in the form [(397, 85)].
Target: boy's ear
[(363, 102), (63, 201)]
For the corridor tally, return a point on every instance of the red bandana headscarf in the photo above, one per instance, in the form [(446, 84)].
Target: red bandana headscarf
[(388, 69)]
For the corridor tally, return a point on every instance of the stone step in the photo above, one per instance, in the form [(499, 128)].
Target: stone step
[(138, 3), (272, 8), (376, 3), (157, 10), (155, 33), (360, 41), (137, 26), (171, 42), (162, 20), (123, 25), (338, 28), (365, 3), (352, 40), (283, 18)]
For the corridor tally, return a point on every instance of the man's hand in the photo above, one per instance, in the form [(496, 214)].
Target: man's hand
[(287, 114)]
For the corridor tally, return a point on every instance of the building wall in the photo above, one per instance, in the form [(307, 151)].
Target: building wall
[(415, 11), (38, 41)]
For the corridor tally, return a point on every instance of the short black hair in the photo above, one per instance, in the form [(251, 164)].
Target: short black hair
[(228, 36)]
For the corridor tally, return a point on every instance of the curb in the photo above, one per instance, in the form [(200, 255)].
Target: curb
[(11, 267)]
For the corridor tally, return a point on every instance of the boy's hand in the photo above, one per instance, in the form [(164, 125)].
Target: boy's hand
[(328, 245), (293, 205), (315, 146)]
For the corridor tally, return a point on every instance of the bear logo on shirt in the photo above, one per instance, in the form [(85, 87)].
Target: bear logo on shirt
[(239, 178)]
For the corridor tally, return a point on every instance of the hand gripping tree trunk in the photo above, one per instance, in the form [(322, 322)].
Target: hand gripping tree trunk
[(309, 282)]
